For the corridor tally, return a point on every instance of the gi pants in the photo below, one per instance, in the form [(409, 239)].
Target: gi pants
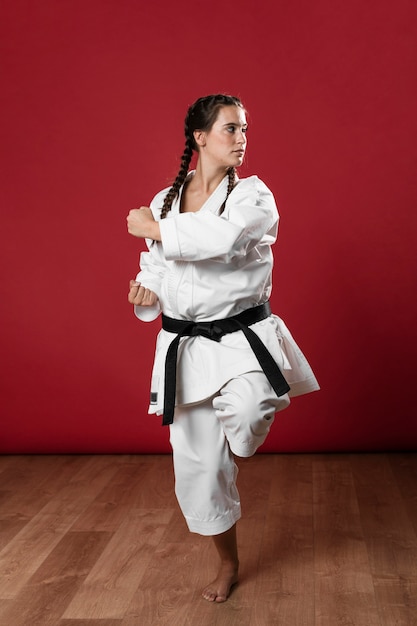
[(204, 438)]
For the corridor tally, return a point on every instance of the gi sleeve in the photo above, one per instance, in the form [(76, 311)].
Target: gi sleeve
[(152, 268), (250, 218)]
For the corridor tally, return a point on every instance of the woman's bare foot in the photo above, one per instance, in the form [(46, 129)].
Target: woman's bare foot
[(226, 545), (219, 589)]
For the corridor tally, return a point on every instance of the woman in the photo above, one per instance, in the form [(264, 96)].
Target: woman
[(217, 373)]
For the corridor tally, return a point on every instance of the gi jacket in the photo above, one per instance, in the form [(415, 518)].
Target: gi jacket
[(209, 266)]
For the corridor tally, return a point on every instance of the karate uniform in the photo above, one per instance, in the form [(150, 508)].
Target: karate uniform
[(208, 267)]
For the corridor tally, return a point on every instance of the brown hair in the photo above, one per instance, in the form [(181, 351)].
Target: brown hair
[(200, 116)]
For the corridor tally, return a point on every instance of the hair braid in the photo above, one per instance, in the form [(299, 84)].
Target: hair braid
[(231, 172), (181, 176), (200, 116)]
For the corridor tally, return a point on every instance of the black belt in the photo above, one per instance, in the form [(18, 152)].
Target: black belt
[(215, 330)]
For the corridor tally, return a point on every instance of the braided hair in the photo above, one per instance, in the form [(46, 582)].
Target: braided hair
[(200, 116)]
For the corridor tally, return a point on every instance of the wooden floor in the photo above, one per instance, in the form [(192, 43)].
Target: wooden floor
[(325, 540)]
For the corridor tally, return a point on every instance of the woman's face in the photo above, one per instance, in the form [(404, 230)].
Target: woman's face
[(224, 144)]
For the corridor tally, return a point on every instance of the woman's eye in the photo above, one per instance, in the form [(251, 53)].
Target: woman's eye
[(231, 129)]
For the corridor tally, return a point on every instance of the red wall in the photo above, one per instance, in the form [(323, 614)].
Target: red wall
[(91, 125)]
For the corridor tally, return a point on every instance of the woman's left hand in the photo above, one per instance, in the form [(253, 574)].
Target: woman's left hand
[(140, 223)]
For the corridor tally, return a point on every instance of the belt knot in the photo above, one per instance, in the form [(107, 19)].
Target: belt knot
[(207, 329)]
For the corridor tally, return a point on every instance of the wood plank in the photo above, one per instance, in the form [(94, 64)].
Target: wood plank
[(5, 460), (285, 579), (90, 622), (114, 579), (30, 488), (141, 482), (10, 460), (10, 526), (344, 592), (390, 537), (49, 591), (13, 467), (166, 595), (111, 506), (5, 606), (157, 491), (22, 556), (254, 484), (36, 482), (404, 470), (138, 484), (397, 601)]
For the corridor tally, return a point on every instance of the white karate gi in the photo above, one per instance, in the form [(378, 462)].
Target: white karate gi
[(207, 267)]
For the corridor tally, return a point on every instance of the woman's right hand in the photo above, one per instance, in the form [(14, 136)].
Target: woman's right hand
[(140, 296)]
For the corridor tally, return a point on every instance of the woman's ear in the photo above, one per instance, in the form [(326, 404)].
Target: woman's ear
[(200, 138)]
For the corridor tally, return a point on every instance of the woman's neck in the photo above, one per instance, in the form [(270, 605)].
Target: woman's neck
[(207, 179)]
